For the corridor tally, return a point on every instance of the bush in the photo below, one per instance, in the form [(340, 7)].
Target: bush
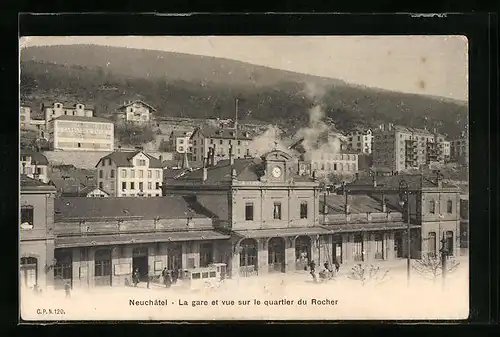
[(134, 134)]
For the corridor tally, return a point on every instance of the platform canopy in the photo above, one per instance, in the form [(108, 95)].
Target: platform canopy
[(123, 239)]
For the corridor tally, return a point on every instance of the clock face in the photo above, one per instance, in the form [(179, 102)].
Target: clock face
[(276, 172)]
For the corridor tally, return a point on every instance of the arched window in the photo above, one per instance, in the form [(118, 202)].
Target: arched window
[(28, 272)]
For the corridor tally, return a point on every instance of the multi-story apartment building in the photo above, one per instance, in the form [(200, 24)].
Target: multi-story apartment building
[(220, 141), (53, 110), (446, 150), (397, 147), (137, 112), (180, 142), (360, 141), (24, 114), (459, 149), (36, 234), (326, 163), (34, 165), (76, 133), (130, 174)]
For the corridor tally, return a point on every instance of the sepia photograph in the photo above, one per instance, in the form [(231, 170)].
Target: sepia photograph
[(178, 178)]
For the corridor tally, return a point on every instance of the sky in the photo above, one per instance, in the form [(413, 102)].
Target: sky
[(429, 65)]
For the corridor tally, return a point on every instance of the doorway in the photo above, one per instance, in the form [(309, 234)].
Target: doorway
[(140, 262), (398, 244), (276, 255)]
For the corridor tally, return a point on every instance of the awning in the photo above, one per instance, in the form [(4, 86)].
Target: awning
[(367, 227), (263, 233), (123, 239)]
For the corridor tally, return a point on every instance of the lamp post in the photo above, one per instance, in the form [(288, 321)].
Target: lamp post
[(404, 200), (444, 254)]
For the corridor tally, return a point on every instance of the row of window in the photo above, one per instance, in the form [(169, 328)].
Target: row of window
[(140, 185), (78, 145), (140, 173), (78, 126), (334, 166), (432, 206), (249, 211)]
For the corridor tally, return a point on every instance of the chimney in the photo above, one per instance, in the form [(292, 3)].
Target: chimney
[(374, 181), (357, 176), (384, 206), (314, 175)]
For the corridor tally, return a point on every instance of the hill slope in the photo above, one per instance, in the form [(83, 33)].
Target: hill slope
[(196, 86)]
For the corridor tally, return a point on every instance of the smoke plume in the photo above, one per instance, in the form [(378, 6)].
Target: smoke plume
[(268, 141), (318, 137)]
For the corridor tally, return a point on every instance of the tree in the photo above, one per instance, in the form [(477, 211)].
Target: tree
[(368, 274), (430, 266)]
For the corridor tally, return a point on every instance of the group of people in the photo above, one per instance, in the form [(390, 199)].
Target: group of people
[(326, 273), (169, 277)]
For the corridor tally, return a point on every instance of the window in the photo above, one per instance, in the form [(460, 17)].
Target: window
[(211, 141), (132, 185), (141, 174), (303, 210), (194, 142), (220, 142), (379, 246), (124, 173), (132, 173), (206, 254), (249, 211), (141, 162), (150, 174), (27, 214), (112, 175), (100, 174), (239, 142), (158, 174), (432, 207), (449, 206), (101, 185), (358, 247), (181, 148), (181, 141), (157, 185), (124, 185), (150, 185), (449, 243), (277, 211), (141, 186), (431, 246)]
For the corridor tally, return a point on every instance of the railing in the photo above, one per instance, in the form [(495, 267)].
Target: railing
[(362, 218), (129, 226)]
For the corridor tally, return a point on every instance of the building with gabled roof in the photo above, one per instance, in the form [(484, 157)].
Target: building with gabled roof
[(54, 109), (220, 140), (130, 173), (136, 111), (34, 165)]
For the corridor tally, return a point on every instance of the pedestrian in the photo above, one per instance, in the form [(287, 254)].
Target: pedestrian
[(164, 275), (312, 266), (168, 278), (136, 277), (67, 289), (337, 265)]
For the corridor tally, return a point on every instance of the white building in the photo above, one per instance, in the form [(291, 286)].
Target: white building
[(445, 149), (137, 112), (360, 141), (34, 165), (180, 142), (75, 133), (57, 109), (130, 174), (24, 115)]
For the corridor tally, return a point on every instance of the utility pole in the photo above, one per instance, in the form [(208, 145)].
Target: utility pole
[(404, 196)]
